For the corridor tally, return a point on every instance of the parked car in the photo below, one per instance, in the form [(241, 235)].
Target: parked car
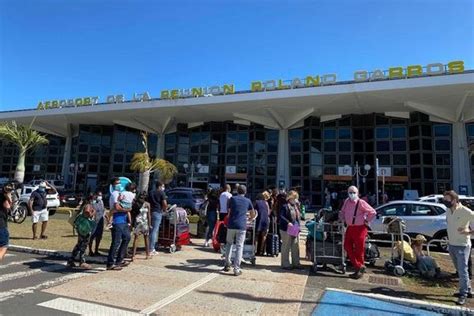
[(187, 198), (426, 218), (437, 198), (58, 184), (69, 198), (51, 195)]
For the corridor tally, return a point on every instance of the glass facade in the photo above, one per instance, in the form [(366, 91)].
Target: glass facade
[(470, 143), (417, 150)]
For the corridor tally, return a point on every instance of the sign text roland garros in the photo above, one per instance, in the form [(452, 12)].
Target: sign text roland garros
[(410, 71)]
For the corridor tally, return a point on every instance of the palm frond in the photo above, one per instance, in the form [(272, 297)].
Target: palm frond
[(23, 136)]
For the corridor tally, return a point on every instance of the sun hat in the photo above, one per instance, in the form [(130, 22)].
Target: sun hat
[(420, 238)]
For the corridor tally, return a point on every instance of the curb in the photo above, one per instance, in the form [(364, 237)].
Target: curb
[(52, 253), (434, 307)]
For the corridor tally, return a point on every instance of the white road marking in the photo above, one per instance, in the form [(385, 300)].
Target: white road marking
[(9, 255), (84, 308), (26, 290), (170, 299), (24, 274), (15, 263)]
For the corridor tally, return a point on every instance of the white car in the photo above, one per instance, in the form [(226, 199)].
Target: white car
[(52, 196), (426, 218), (437, 198)]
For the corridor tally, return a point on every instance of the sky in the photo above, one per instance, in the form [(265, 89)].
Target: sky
[(60, 49)]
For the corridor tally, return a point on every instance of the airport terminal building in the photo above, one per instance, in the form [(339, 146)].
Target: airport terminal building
[(311, 133)]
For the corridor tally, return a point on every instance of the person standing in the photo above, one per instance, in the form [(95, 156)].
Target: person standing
[(39, 212), (84, 225), (141, 224), (120, 230), (459, 218), (224, 201), (263, 221), (5, 205), (356, 214), (98, 206), (239, 205), (211, 215), (289, 217), (158, 205)]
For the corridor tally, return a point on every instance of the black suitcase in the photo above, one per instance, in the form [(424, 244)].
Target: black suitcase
[(273, 242)]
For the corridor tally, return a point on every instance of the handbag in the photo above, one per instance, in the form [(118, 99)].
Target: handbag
[(294, 230)]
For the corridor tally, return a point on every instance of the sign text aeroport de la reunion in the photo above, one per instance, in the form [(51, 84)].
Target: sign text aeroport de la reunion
[(269, 85)]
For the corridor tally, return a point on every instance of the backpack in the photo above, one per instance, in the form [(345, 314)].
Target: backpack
[(427, 267), (84, 225), (371, 252)]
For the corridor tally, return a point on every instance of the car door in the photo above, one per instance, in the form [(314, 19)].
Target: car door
[(424, 219), (393, 209)]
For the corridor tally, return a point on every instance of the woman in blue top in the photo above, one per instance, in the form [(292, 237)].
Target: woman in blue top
[(263, 210)]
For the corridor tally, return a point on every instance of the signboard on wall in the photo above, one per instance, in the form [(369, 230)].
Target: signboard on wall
[(344, 171), (230, 169), (36, 168), (385, 172)]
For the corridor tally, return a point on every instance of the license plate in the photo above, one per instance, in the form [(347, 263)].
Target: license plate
[(71, 199)]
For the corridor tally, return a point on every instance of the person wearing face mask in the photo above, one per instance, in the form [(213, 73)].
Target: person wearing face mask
[(158, 205), (98, 206), (356, 214), (38, 208), (289, 217), (459, 218)]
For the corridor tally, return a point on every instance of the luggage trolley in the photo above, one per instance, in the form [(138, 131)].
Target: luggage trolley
[(395, 226), (174, 229), (329, 250), (249, 250)]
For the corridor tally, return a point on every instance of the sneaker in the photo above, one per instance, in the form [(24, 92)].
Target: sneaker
[(154, 252), (123, 264), (206, 244), (44, 237), (469, 295), (226, 268), (114, 267), (357, 275), (85, 266), (461, 300), (237, 272)]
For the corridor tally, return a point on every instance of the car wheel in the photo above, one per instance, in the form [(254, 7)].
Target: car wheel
[(52, 211), (443, 236)]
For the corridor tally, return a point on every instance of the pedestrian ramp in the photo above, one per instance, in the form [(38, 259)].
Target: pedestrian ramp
[(345, 303)]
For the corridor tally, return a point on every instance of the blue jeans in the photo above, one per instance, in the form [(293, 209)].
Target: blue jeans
[(120, 240), (211, 221), (4, 237), (239, 237), (460, 256), (155, 223)]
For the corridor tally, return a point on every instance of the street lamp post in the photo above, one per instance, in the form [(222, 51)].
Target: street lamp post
[(191, 169), (75, 168), (358, 172)]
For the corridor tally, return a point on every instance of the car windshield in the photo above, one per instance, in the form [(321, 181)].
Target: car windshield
[(198, 196), (60, 183)]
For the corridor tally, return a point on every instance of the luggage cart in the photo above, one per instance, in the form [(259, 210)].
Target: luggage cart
[(248, 254), (174, 229), (329, 250), (395, 226)]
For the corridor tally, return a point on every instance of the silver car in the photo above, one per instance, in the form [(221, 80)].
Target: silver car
[(426, 218)]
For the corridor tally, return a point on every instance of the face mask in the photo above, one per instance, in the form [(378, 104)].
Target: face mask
[(41, 189), (353, 196), (448, 204), (99, 198), (117, 187)]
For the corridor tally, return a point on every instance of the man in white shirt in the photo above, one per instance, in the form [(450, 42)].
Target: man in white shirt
[(459, 218), (223, 202)]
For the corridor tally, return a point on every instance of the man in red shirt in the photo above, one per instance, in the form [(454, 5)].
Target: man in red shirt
[(356, 214)]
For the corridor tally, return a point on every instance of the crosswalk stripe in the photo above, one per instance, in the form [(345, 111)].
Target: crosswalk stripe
[(84, 308), (24, 274), (5, 295), (15, 263)]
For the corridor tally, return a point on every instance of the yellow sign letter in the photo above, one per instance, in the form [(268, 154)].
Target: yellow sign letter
[(256, 86), (165, 94), (456, 66), (312, 81), (414, 70), (395, 72), (229, 89)]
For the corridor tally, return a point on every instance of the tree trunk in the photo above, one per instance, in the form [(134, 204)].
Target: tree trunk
[(20, 167), (143, 180)]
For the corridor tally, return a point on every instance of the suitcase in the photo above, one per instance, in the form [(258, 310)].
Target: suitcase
[(272, 247)]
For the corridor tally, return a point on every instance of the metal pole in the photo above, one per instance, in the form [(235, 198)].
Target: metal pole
[(192, 174), (377, 181), (357, 174), (75, 177), (383, 186)]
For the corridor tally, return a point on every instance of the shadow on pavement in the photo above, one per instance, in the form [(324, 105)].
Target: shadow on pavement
[(248, 297), (405, 294)]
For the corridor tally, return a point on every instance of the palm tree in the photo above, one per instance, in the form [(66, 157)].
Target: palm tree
[(142, 163), (25, 138)]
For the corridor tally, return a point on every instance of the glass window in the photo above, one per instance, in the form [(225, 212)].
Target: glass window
[(415, 173), (272, 147), (296, 171), (243, 136), (425, 130), (384, 160), (442, 130), (316, 172), (399, 159), (421, 210), (242, 148), (470, 130), (315, 146), (231, 137), (329, 159), (443, 173), (400, 172), (382, 132), (393, 210), (329, 133), (231, 160), (399, 145), (369, 147), (295, 134), (443, 159), (442, 144), (345, 146), (358, 147), (344, 133), (272, 136), (295, 146), (296, 159), (329, 146), (345, 159), (414, 144), (428, 173), (272, 159), (399, 132), (427, 159), (316, 158), (427, 144), (358, 134), (383, 146), (330, 170)]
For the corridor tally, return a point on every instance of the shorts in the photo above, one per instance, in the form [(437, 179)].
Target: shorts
[(4, 237), (40, 216)]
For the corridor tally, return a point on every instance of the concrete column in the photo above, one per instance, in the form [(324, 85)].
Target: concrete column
[(461, 168), (160, 146), (66, 157), (283, 164)]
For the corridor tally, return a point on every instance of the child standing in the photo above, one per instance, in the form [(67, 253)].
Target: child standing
[(142, 224)]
